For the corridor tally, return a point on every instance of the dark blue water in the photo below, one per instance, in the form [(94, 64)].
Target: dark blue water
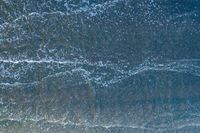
[(99, 66)]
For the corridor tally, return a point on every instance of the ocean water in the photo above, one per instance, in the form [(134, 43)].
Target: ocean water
[(99, 66)]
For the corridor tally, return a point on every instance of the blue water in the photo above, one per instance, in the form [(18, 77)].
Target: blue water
[(99, 66)]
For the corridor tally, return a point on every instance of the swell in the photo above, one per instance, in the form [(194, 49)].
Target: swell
[(85, 125), (60, 122), (100, 73)]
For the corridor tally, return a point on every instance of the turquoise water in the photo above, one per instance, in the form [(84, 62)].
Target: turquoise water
[(99, 66)]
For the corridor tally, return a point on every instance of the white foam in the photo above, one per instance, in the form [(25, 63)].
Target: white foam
[(115, 73)]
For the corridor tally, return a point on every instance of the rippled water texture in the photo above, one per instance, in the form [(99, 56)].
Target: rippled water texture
[(99, 66)]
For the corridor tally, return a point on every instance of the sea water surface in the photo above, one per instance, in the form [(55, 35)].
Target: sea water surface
[(99, 66)]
